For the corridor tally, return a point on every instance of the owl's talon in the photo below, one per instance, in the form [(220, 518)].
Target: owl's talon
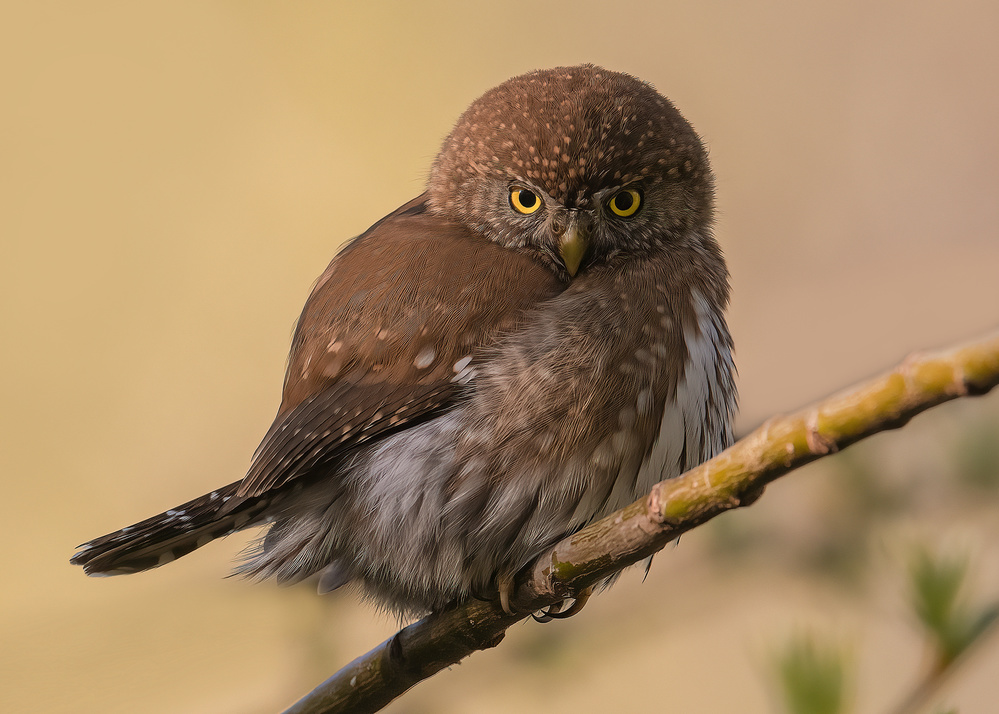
[(505, 585), (555, 612), (548, 614)]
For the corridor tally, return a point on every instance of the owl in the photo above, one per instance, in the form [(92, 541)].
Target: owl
[(526, 347)]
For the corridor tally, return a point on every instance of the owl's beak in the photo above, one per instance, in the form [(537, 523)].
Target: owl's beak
[(574, 243)]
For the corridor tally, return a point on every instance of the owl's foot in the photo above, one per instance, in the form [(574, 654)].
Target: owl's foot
[(555, 612)]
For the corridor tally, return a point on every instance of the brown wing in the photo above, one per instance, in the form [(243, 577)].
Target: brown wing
[(390, 336)]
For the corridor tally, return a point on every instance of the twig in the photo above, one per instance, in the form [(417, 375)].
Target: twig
[(732, 479)]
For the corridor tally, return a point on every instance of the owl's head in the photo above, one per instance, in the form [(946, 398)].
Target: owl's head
[(576, 164)]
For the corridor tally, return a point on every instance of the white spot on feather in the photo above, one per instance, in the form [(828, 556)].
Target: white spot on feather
[(643, 402), (464, 373), (425, 358)]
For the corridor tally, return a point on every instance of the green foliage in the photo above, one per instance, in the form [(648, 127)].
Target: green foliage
[(812, 676), (951, 625)]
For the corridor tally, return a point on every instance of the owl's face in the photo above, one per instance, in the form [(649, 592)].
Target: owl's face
[(577, 165)]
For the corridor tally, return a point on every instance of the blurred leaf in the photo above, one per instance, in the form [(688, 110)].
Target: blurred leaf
[(952, 625), (936, 581), (812, 676)]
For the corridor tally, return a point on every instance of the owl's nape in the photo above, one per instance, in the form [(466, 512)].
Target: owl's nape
[(525, 348)]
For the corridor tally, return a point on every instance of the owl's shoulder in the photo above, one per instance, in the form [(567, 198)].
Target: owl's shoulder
[(407, 300)]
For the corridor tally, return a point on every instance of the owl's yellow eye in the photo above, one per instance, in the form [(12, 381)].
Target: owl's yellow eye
[(625, 203), (524, 200)]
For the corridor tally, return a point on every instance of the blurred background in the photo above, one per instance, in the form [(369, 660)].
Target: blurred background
[(174, 176)]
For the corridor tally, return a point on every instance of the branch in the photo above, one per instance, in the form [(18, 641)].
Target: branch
[(732, 479)]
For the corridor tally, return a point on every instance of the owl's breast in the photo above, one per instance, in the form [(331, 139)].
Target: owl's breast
[(621, 381)]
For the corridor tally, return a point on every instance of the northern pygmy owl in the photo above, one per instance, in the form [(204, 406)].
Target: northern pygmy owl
[(526, 347)]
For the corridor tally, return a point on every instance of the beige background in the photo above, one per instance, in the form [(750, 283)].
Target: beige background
[(174, 176)]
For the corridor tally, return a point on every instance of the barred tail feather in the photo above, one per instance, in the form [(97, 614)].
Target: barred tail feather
[(169, 535)]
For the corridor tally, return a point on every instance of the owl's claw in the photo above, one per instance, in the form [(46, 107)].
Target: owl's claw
[(555, 612), (505, 585), (547, 615)]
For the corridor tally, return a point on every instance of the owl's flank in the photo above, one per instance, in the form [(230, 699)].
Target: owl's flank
[(526, 347)]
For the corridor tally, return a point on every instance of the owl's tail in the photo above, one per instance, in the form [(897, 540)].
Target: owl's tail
[(170, 535)]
